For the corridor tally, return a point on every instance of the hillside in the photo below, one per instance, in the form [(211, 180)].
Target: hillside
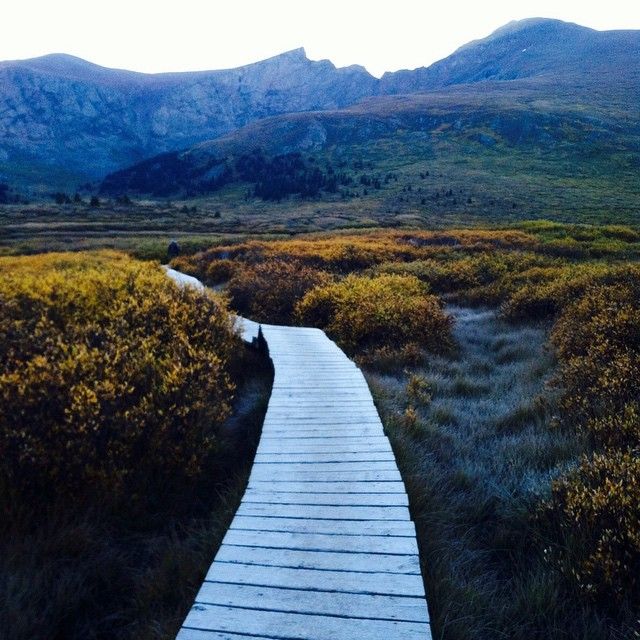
[(516, 149), (64, 121)]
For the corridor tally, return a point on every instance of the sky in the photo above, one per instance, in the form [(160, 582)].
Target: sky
[(188, 35)]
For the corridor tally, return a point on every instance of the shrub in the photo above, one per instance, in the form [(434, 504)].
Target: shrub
[(269, 291), (186, 264), (220, 271), (598, 343), (596, 508), (543, 292), (387, 359), (596, 511), (110, 376), (363, 312)]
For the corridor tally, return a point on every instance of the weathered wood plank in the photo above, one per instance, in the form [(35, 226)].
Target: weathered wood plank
[(298, 626), (283, 475), (325, 513), (397, 584), (355, 487), (326, 467), (395, 528), (301, 447), (323, 542), (326, 560), (296, 448), (327, 499), (295, 600), (201, 634), (288, 458)]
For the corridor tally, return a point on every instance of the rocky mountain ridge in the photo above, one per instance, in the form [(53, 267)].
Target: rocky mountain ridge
[(64, 120)]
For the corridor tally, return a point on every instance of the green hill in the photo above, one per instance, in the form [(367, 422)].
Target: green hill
[(527, 148)]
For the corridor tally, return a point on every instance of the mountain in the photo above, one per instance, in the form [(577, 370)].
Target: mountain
[(512, 149), (64, 121), (537, 48), (63, 117), (558, 132)]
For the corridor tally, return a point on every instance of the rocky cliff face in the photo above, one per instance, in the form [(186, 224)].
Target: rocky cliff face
[(60, 111)]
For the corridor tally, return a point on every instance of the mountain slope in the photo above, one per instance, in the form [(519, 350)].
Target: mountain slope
[(60, 111), (516, 148), (64, 121), (534, 48)]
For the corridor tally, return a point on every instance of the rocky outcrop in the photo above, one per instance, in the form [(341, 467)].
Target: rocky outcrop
[(60, 110)]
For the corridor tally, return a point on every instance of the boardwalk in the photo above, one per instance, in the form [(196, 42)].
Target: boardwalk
[(322, 546)]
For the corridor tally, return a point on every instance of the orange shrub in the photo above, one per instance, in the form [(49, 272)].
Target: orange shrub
[(219, 271), (363, 312), (110, 374), (268, 291)]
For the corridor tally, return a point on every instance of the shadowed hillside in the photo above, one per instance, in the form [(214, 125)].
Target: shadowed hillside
[(522, 147)]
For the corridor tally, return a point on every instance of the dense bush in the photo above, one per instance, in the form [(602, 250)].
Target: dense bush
[(110, 375), (597, 511), (363, 312), (269, 291), (596, 508), (598, 341), (481, 277)]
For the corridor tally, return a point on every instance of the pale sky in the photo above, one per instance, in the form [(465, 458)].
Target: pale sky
[(186, 35)]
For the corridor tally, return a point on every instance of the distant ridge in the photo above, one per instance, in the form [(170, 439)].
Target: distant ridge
[(64, 120), (531, 48)]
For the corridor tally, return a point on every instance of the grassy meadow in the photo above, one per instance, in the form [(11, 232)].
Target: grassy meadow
[(504, 362)]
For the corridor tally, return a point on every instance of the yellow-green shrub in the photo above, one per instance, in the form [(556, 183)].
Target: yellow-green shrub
[(596, 510), (476, 275), (543, 292), (268, 291), (363, 312), (597, 339), (109, 373)]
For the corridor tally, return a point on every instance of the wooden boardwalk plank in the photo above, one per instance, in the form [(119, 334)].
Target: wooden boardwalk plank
[(322, 546), (300, 626), (369, 488), (327, 498), (292, 600), (390, 528), (323, 542), (325, 513), (308, 457), (374, 582), (326, 560), (283, 475)]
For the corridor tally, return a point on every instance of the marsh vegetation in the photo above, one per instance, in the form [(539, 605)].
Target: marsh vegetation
[(504, 362), (514, 420)]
